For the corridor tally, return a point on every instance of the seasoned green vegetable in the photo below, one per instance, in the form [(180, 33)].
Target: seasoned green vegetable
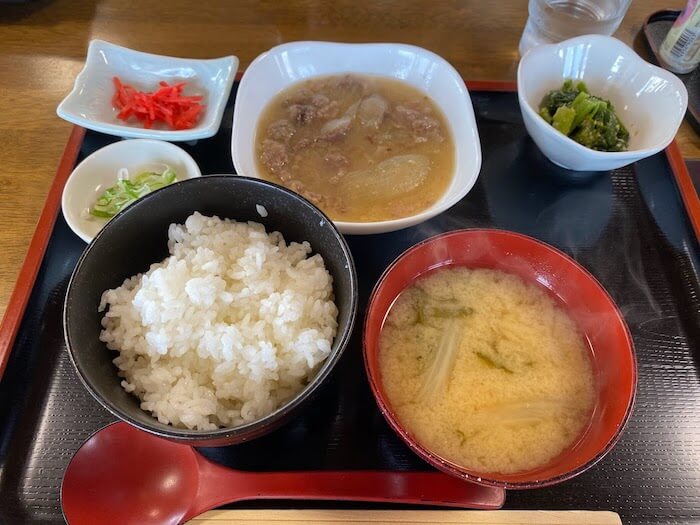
[(589, 120), (126, 191)]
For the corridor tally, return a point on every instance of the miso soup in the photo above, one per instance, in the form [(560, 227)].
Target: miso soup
[(485, 370)]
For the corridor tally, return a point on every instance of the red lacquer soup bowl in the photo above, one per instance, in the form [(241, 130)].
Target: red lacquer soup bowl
[(572, 288)]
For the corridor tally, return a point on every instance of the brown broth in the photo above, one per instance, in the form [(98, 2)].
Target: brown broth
[(362, 148)]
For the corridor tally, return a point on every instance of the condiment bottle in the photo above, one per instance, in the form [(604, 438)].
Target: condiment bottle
[(680, 50)]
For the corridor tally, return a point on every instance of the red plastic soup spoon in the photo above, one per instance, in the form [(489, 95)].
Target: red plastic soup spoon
[(126, 476)]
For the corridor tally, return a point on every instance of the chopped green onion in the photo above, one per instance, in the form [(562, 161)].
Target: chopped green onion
[(125, 191)]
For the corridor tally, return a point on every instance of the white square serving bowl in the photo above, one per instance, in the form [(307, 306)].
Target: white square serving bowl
[(89, 104), (650, 101), (287, 64)]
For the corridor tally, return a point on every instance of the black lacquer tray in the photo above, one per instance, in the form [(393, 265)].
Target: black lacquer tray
[(629, 227)]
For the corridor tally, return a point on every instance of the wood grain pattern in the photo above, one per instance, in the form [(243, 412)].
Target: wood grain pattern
[(406, 517), (37, 248), (43, 45)]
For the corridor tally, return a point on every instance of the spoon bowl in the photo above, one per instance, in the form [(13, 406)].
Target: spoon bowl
[(127, 476), (110, 470)]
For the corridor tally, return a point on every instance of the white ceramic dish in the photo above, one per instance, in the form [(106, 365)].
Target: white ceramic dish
[(89, 104), (100, 170), (288, 64), (650, 101)]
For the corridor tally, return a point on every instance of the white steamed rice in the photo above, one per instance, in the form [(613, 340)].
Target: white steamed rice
[(226, 329)]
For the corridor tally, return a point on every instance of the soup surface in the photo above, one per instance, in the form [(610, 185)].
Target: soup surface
[(485, 370), (362, 148)]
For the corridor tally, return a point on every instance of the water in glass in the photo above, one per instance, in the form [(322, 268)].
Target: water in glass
[(552, 21)]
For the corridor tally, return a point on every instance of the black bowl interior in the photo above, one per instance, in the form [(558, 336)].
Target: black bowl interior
[(137, 238)]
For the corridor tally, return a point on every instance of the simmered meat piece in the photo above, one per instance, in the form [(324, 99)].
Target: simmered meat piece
[(302, 113), (330, 110), (314, 197), (325, 107), (302, 144), (306, 109), (281, 130), (301, 95), (274, 155), (349, 84), (422, 125), (319, 100), (335, 159)]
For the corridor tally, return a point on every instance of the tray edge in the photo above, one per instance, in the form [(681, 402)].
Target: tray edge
[(685, 185), (26, 278)]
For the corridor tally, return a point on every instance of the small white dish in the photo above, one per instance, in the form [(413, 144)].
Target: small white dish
[(290, 63), (89, 104), (649, 101), (101, 170)]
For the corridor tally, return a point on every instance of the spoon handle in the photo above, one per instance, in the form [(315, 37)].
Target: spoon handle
[(219, 486)]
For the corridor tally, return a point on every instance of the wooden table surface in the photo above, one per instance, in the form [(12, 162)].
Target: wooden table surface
[(43, 45)]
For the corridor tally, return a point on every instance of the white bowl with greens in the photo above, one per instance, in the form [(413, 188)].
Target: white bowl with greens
[(648, 101), (113, 177)]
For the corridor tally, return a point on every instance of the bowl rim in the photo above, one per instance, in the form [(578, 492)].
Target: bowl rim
[(217, 103), (640, 63), (258, 426), (371, 227), (193, 172), (443, 464)]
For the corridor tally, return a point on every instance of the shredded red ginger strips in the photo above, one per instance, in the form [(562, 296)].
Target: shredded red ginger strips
[(167, 105)]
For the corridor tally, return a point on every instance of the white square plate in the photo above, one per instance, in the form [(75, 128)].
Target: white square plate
[(287, 64), (89, 104)]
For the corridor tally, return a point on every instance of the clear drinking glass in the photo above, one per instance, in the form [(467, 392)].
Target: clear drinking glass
[(552, 21)]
